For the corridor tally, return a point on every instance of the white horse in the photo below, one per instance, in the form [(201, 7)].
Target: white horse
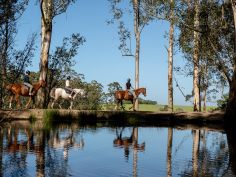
[(60, 92)]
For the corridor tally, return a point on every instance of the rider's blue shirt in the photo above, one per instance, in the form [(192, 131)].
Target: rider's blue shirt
[(26, 79)]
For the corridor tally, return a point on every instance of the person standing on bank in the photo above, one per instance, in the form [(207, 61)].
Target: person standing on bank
[(129, 87), (69, 88), (27, 82)]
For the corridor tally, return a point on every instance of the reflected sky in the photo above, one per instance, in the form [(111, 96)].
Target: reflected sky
[(71, 150)]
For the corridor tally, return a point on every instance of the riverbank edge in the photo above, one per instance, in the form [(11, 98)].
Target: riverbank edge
[(138, 116)]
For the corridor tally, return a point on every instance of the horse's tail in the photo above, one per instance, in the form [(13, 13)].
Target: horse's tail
[(52, 93), (119, 94), (8, 87), (115, 94)]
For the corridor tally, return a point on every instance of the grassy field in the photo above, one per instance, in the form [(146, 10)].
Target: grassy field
[(157, 108)]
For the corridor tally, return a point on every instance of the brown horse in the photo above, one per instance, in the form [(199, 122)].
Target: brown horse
[(17, 90), (121, 95), (127, 142)]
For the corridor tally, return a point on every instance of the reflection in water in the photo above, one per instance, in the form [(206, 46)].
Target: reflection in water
[(31, 150), (169, 152), (127, 142), (231, 132), (21, 141), (195, 152)]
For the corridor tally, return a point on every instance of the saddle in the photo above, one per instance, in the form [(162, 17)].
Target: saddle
[(25, 87), (127, 94), (68, 91)]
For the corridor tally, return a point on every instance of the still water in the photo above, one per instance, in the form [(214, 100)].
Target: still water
[(98, 151)]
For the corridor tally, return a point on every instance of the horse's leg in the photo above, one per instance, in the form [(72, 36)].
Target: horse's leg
[(132, 102), (17, 99), (33, 99), (117, 104), (26, 107), (52, 103), (71, 104), (54, 100), (10, 101), (121, 104), (59, 105)]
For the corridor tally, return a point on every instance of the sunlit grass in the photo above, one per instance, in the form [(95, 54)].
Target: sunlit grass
[(158, 108)]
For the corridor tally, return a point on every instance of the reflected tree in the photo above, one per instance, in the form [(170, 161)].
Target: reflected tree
[(126, 143), (169, 152)]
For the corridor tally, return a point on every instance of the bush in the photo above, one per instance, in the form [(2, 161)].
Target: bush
[(164, 108), (222, 103)]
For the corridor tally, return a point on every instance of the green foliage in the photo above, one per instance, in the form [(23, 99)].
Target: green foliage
[(164, 108), (216, 34), (119, 14), (13, 61), (48, 117), (32, 118), (143, 101), (222, 103), (61, 63), (95, 95), (112, 87)]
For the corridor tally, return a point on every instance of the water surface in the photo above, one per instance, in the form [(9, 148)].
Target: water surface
[(98, 151)]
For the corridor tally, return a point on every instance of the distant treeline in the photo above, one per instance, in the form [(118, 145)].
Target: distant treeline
[(143, 101)]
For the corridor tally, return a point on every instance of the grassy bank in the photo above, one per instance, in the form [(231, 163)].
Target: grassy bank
[(157, 108)]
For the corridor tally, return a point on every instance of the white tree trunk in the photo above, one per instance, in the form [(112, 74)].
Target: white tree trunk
[(46, 34), (170, 58), (137, 49), (196, 58)]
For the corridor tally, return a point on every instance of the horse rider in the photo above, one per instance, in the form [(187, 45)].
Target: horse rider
[(72, 93), (27, 82), (128, 86)]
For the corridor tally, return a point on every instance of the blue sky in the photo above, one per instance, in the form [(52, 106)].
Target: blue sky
[(99, 58)]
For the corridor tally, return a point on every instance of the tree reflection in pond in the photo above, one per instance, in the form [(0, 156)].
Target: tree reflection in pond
[(71, 150)]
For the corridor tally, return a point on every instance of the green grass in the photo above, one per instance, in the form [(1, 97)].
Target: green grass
[(157, 108)]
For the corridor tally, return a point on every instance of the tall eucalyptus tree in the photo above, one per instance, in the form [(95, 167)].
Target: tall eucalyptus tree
[(49, 10), (141, 17), (231, 107), (13, 61)]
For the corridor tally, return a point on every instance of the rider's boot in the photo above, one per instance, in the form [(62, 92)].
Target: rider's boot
[(72, 94)]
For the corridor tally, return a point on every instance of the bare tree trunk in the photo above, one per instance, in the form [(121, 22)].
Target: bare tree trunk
[(4, 54), (1, 153), (196, 58), (46, 32), (137, 49), (204, 99), (205, 85), (170, 58), (231, 107), (199, 93)]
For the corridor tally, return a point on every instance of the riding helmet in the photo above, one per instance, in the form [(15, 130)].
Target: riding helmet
[(28, 72), (68, 77), (128, 79)]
